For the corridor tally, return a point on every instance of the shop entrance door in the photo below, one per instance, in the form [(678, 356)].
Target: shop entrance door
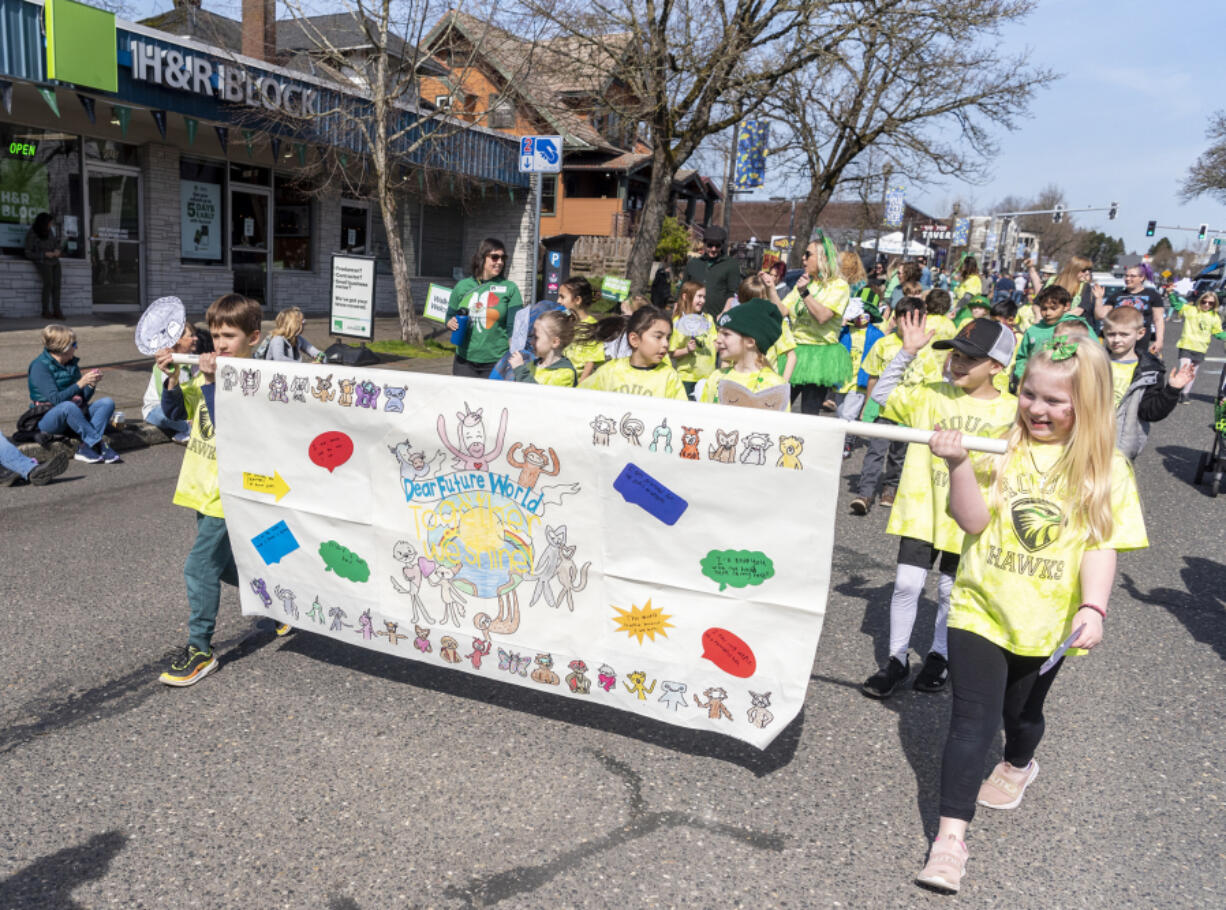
[(249, 241), (115, 239)]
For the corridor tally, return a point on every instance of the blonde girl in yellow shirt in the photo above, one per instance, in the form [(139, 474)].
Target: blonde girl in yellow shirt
[(1036, 570), (816, 305), (691, 346), (551, 334)]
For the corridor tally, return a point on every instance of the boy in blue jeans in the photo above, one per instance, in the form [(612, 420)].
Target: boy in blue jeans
[(234, 323)]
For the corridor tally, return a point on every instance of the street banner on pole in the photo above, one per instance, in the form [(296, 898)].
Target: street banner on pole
[(962, 231), (751, 139), (628, 552), (895, 205)]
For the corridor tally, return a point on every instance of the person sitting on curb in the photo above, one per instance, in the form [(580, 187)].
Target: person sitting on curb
[(16, 465), (151, 407), (62, 397)]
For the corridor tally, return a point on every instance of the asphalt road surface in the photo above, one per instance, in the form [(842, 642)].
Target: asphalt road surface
[(308, 773)]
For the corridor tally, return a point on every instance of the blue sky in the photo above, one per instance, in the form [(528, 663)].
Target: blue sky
[(1123, 125)]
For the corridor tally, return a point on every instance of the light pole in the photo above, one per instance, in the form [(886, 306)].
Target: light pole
[(885, 189)]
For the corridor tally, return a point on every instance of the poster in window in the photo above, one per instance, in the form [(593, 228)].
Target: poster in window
[(24, 193), (200, 214)]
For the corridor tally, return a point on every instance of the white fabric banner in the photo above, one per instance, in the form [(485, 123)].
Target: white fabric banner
[(666, 558)]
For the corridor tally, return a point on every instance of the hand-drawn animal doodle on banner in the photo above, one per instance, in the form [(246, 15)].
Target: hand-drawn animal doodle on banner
[(472, 453)]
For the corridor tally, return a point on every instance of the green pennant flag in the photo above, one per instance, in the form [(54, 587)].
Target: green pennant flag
[(300, 151), (49, 96), (123, 115), (344, 159), (248, 138), (191, 123)]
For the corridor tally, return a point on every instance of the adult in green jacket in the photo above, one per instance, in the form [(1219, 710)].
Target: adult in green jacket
[(719, 274), (491, 302)]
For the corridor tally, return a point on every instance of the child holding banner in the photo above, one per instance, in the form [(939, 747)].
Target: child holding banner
[(1036, 576), (577, 295), (234, 323), (692, 343), (966, 398), (646, 371), (745, 331)]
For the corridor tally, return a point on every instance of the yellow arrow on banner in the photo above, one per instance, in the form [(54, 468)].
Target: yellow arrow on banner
[(262, 483)]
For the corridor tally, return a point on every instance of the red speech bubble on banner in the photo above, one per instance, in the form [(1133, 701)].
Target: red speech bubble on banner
[(729, 653), (330, 450)]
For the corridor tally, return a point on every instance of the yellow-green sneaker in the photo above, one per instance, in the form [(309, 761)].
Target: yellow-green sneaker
[(283, 629), (188, 667)]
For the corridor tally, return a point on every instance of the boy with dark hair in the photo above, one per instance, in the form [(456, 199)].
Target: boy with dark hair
[(234, 324), (1053, 304)]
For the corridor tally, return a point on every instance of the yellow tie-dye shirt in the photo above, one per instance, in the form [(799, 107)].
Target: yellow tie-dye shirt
[(921, 504), (1019, 582)]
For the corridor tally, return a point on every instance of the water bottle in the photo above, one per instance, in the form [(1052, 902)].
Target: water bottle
[(118, 420), (461, 330)]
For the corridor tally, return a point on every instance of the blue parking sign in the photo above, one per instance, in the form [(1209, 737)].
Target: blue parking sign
[(540, 154)]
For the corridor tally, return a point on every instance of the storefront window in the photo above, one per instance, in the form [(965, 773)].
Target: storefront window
[(39, 172), (291, 242), (112, 152), (354, 218), (201, 212)]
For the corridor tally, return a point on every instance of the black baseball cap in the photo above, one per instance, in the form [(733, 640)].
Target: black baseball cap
[(982, 338)]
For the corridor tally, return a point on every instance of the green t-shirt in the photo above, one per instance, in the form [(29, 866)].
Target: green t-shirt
[(491, 306)]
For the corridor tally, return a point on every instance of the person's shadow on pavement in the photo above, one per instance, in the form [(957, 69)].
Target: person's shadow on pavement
[(1201, 606), (50, 881)]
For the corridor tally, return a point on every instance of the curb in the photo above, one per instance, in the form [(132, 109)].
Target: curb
[(134, 435)]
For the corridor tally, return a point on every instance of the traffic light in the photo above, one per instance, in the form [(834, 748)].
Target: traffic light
[(1202, 231), (1150, 228), (1111, 212), (1058, 215)]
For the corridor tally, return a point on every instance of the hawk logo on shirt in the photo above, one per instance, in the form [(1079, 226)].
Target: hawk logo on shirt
[(207, 430), (1036, 522)]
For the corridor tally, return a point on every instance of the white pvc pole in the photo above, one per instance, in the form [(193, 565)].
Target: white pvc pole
[(889, 431), (896, 433)]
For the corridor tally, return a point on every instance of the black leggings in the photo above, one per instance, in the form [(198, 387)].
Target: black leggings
[(462, 367), (812, 397), (989, 683)]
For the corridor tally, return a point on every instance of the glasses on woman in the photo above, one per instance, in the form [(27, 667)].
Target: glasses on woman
[(497, 257)]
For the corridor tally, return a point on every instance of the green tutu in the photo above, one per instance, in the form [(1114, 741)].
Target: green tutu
[(822, 365)]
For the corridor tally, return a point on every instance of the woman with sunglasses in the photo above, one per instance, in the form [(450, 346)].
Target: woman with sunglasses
[(485, 303), (62, 397), (815, 305)]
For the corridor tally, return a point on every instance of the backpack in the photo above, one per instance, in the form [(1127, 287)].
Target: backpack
[(261, 349)]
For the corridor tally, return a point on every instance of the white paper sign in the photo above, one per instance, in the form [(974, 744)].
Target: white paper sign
[(623, 551), (353, 296), (199, 220), (437, 299)]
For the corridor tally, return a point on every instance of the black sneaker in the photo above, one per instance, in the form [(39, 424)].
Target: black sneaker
[(883, 683), (933, 676), (48, 470), (8, 478), (188, 667)]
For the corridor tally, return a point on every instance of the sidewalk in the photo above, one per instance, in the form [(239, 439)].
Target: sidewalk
[(108, 344)]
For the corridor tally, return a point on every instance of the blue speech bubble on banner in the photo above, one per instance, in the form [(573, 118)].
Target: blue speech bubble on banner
[(275, 543)]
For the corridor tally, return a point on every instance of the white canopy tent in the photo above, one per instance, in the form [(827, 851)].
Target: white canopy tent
[(892, 244)]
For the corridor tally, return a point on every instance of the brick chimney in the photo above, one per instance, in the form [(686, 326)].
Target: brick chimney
[(260, 29)]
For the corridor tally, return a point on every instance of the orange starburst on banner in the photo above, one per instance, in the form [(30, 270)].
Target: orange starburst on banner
[(646, 620)]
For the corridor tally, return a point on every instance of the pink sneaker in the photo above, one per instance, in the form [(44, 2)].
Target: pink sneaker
[(1000, 791), (946, 865)]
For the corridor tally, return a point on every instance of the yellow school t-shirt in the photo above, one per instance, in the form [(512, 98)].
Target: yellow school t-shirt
[(696, 366), (1122, 372), (756, 381), (942, 327), (1199, 326), (834, 295), (660, 381), (858, 337), (1018, 582), (972, 285), (198, 487), (920, 505), (784, 346), (561, 374), (927, 366), (581, 353)]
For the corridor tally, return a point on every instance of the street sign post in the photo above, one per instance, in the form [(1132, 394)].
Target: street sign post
[(539, 155)]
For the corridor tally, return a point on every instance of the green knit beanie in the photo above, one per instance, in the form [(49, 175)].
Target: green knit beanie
[(757, 319)]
